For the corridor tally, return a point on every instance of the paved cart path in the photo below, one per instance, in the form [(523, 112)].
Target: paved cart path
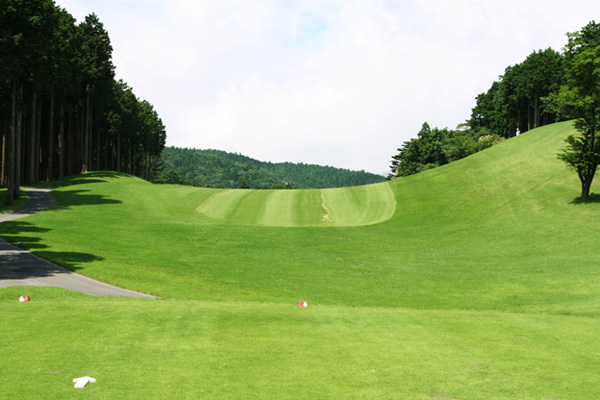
[(22, 268)]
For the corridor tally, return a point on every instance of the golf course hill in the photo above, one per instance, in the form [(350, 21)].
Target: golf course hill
[(478, 279), (221, 169)]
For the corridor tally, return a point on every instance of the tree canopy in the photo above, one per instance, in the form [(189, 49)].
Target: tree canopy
[(61, 110), (434, 147), (579, 98), (215, 168), (515, 102)]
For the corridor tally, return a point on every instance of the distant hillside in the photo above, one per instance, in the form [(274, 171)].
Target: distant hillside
[(215, 168)]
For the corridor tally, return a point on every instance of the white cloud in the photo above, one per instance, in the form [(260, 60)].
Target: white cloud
[(332, 82)]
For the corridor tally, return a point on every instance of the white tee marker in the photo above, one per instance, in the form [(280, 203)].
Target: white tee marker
[(83, 381), (302, 304)]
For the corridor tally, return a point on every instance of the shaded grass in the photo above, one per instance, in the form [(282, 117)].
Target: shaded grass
[(17, 203)]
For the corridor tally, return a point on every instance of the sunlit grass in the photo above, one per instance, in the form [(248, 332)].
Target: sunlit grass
[(357, 206), (155, 349), (483, 284)]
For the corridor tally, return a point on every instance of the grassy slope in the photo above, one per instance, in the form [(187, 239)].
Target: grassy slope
[(408, 308)]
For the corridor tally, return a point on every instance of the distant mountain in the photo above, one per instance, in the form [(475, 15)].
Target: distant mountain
[(215, 168)]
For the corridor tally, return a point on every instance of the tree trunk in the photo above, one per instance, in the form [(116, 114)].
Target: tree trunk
[(5, 127), (147, 169), (586, 184), (9, 167), (50, 151), (129, 158), (133, 162), (30, 143), (61, 142), (536, 113), (90, 142), (37, 141), (86, 134), (528, 115), (119, 151), (586, 178), (80, 140), (18, 141), (70, 146), (98, 150)]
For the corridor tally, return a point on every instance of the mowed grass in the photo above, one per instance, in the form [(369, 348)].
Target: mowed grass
[(357, 206), (483, 284), (191, 349)]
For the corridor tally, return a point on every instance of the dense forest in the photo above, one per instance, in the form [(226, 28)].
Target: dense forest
[(215, 168), (61, 110), (522, 99)]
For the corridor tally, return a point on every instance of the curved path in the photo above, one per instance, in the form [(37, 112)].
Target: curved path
[(22, 268)]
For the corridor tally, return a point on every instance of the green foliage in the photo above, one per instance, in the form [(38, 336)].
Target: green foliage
[(586, 38), (515, 101), (215, 168), (61, 111), (96, 57), (581, 100), (434, 147)]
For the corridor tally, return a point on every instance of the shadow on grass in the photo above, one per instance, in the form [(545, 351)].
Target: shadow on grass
[(70, 198), (11, 231), (70, 260), (16, 264), (25, 242), (594, 198), (82, 179), (16, 204)]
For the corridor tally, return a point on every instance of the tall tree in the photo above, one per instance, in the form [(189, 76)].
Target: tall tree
[(580, 99), (153, 136), (515, 101), (26, 29), (541, 74), (124, 124), (98, 78)]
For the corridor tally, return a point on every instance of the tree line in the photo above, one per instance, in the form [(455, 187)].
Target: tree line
[(62, 112), (216, 168), (434, 147), (514, 103), (546, 87)]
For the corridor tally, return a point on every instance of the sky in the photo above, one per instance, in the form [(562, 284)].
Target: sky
[(329, 82)]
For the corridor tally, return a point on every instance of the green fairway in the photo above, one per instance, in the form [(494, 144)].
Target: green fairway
[(476, 280), (363, 205), (194, 349)]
